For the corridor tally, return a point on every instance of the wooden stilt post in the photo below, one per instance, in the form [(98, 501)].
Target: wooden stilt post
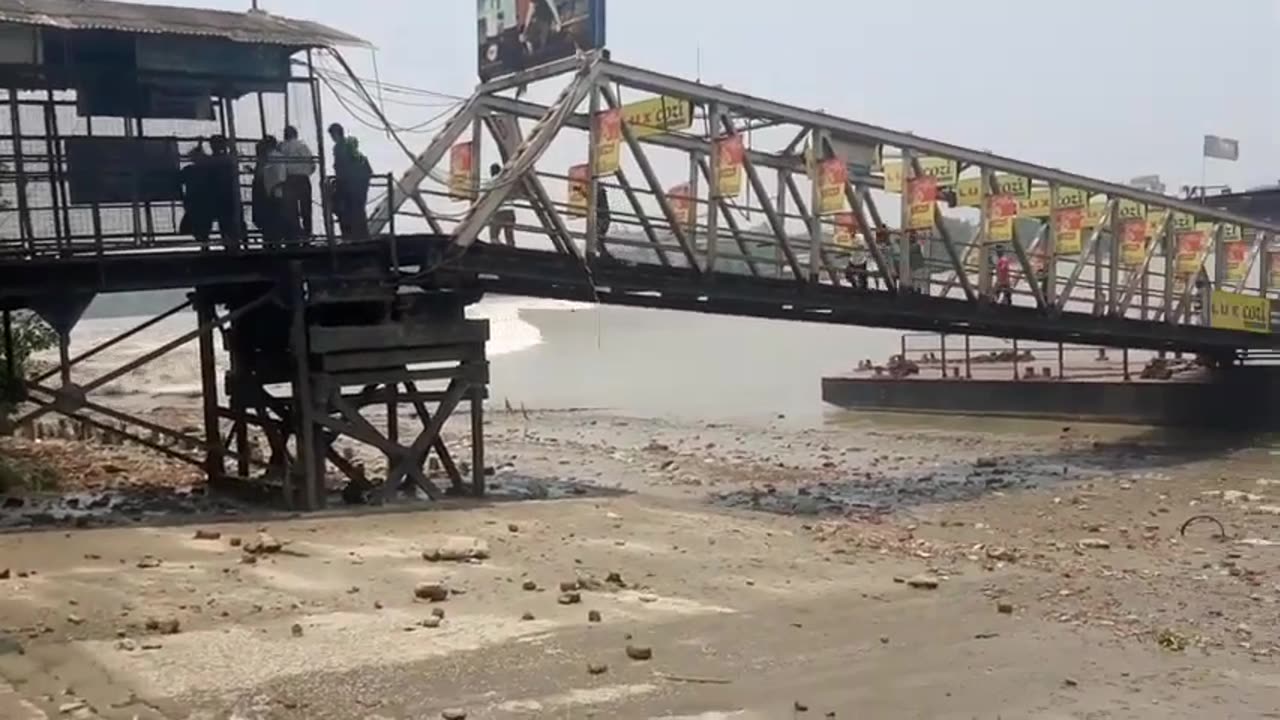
[(303, 411), (477, 440), (214, 467)]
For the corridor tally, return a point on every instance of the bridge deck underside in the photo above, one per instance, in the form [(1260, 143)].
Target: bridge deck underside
[(515, 271)]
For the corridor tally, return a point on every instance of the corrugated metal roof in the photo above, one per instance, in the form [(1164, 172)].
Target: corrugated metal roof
[(252, 26)]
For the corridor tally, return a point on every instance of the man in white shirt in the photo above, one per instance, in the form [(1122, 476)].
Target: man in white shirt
[(299, 165)]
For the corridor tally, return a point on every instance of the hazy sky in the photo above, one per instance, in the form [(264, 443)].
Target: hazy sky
[(1105, 88)]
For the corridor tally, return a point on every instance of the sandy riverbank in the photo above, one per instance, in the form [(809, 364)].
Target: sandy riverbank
[(750, 614)]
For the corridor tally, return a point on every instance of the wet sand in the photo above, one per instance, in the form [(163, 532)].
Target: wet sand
[(867, 566)]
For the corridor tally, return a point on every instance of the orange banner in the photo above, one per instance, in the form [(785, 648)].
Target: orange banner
[(833, 175), (608, 142), (1133, 241), (922, 194), (579, 188), (1001, 212), (461, 169), (1237, 256), (1191, 247), (846, 231), (1069, 234), (729, 167), (682, 204)]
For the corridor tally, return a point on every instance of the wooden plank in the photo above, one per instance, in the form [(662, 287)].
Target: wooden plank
[(475, 372), (371, 360), (384, 395), (396, 335)]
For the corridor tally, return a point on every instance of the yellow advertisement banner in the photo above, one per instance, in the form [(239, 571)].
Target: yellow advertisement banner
[(461, 169), (1069, 235), (969, 190), (1038, 203), (1035, 205), (1070, 198), (922, 197), (1235, 311), (1236, 254), (833, 176), (1131, 210), (1231, 233), (682, 204), (1097, 208), (579, 188), (729, 167), (1002, 210), (1191, 247), (846, 231), (608, 142), (945, 172), (1155, 221), (657, 116), (1133, 241)]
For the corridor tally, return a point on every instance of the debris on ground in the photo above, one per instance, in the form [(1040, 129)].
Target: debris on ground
[(263, 544), (433, 592), (923, 582), (164, 626), (639, 652), (458, 549)]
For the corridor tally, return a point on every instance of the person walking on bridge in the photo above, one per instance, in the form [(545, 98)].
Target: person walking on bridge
[(1004, 277)]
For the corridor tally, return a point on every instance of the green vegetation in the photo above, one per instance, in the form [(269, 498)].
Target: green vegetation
[(30, 336), (19, 475)]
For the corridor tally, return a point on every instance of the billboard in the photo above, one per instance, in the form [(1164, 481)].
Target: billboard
[(657, 116), (461, 171), (516, 35), (122, 170), (1235, 311), (579, 189)]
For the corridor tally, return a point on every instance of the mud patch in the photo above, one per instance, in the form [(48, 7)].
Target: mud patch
[(873, 494)]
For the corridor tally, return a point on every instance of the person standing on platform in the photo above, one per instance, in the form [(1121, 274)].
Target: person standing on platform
[(299, 164), (268, 204), (223, 186), (1004, 278), (351, 176), (197, 213)]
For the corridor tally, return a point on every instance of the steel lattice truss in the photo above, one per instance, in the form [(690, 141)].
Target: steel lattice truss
[(1085, 259)]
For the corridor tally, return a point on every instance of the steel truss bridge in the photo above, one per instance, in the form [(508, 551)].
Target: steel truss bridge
[(790, 262)]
